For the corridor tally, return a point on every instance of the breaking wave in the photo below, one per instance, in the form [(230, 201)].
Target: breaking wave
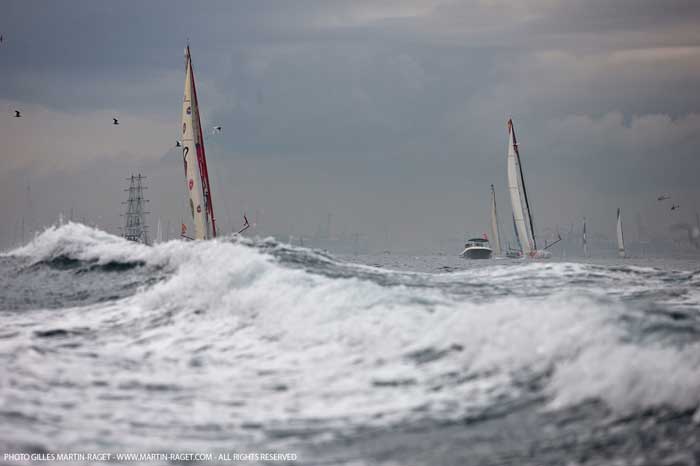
[(264, 338)]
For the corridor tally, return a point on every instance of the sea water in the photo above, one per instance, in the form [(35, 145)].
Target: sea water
[(254, 347)]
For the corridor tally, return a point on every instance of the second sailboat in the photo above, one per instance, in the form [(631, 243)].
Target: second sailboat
[(522, 211)]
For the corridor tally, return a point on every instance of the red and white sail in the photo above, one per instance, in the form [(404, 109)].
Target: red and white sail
[(196, 174)]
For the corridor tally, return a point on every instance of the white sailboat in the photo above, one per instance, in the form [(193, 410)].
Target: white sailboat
[(585, 239), (620, 238), (522, 212), (495, 233), (194, 157)]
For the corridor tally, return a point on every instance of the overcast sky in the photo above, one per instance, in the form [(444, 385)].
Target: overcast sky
[(391, 115)]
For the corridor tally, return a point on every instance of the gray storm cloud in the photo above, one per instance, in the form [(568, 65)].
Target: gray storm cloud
[(391, 115)]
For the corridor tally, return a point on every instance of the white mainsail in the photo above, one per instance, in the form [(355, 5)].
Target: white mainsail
[(518, 196), (620, 238), (585, 239), (495, 233), (196, 174), (517, 236)]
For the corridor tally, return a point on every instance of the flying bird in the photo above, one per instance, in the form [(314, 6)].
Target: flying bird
[(216, 130), (675, 206), (178, 144), (663, 197), (2, 38), (115, 121), (17, 114)]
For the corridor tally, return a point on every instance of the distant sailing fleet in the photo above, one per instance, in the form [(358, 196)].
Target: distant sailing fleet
[(523, 221), (201, 207)]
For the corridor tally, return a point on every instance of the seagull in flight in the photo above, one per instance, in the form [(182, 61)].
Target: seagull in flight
[(178, 144), (675, 206), (216, 130), (115, 122), (663, 197), (17, 114)]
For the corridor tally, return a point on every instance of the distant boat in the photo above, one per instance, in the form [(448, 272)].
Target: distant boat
[(195, 160), (495, 233), (477, 248), (585, 239), (522, 211), (620, 238)]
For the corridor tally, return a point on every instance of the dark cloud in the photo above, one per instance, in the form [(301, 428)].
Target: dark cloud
[(391, 114)]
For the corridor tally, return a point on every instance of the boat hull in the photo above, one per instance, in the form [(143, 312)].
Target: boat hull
[(477, 253), (540, 254)]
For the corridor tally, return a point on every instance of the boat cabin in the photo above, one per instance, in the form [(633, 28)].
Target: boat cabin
[(477, 243)]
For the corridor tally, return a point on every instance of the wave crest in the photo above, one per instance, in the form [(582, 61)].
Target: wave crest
[(279, 339)]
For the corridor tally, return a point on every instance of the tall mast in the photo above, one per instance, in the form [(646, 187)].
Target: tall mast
[(528, 210), (195, 160), (516, 198)]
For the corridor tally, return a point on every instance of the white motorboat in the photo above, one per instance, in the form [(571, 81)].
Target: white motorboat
[(477, 248)]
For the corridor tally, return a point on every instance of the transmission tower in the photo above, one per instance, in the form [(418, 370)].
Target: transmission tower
[(135, 228)]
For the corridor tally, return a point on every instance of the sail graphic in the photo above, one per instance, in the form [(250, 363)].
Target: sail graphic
[(196, 174), (518, 195), (585, 239), (620, 238), (495, 233)]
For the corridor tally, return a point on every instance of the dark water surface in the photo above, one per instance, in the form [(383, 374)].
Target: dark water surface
[(225, 346)]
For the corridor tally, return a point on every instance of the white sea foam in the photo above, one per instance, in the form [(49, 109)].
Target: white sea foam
[(80, 242), (630, 377), (278, 345)]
